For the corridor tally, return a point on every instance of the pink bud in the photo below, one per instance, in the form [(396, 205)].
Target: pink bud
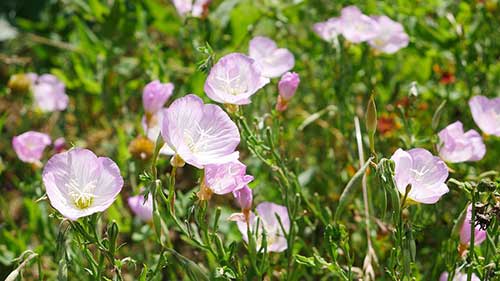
[(59, 145), (465, 233), (288, 85), (244, 197), (155, 95)]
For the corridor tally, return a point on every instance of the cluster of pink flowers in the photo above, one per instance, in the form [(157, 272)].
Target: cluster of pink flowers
[(381, 32), (236, 77)]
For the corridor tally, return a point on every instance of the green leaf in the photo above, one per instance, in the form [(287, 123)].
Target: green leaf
[(349, 189)]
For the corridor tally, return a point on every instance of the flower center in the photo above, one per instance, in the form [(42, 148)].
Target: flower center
[(419, 174), (82, 198)]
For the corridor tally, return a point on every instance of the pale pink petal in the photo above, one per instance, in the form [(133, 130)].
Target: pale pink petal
[(329, 29), (155, 95), (486, 114), (391, 36), (272, 60), (234, 79), (143, 209), (465, 233), (457, 146), (200, 133), (357, 27)]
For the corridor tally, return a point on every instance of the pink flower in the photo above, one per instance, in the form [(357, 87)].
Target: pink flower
[(459, 276), (486, 114), (244, 198), (200, 134), (357, 27), (287, 88), (195, 8), (234, 79), (391, 36), (273, 61), (266, 215), (142, 208), (29, 146), (49, 93), (424, 172), (465, 233), (457, 146), (79, 183), (59, 145), (155, 95), (225, 178), (328, 30)]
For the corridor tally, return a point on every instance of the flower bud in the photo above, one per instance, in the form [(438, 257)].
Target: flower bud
[(155, 95), (288, 84), (371, 116), (60, 145), (244, 198)]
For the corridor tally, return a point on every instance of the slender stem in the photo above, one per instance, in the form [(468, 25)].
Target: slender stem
[(472, 234)]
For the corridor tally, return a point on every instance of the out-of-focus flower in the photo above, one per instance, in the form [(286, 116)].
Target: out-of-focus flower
[(224, 178), (234, 79), (273, 61), (459, 276), (155, 95), (391, 36), (266, 215), (457, 146), (465, 233), (199, 134), (59, 145), (447, 78), (142, 208), (356, 26), (29, 146), (78, 183), (328, 30), (19, 83), (287, 88), (387, 124), (7, 31), (195, 8), (49, 93), (486, 114), (141, 148), (423, 172), (413, 92)]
